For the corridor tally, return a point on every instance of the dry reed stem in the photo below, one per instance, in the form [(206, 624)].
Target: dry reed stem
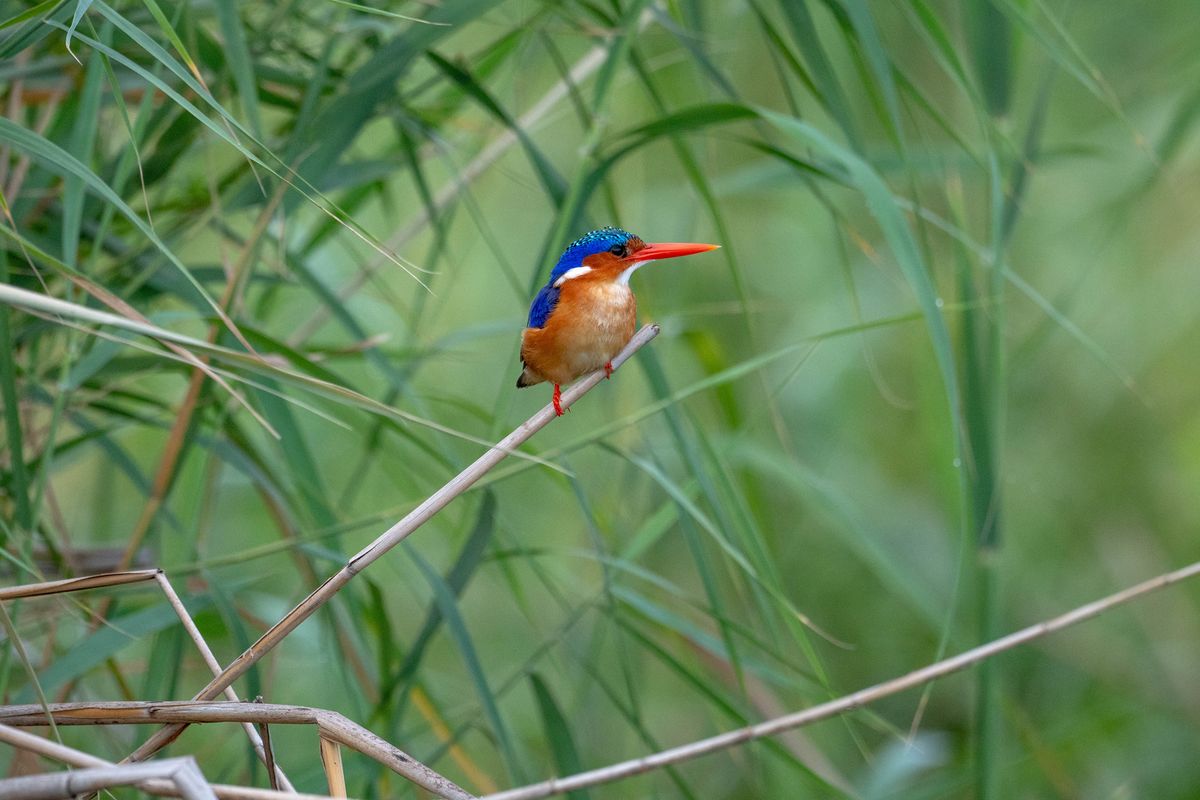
[(846, 703), (330, 725), (390, 538), (77, 758), (264, 732), (331, 761), (100, 581), (109, 579), (182, 772)]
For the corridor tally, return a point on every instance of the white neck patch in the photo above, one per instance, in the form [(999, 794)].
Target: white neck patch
[(623, 278), (573, 272)]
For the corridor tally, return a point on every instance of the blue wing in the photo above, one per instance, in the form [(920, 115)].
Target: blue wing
[(543, 304)]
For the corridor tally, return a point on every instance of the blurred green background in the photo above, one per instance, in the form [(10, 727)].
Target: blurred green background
[(940, 382)]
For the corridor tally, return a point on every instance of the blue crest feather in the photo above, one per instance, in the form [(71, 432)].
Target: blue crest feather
[(596, 241)]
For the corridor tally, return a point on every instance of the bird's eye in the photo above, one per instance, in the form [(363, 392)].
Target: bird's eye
[(617, 250)]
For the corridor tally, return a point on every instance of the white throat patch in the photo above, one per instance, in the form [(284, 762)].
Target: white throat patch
[(623, 278), (573, 272)]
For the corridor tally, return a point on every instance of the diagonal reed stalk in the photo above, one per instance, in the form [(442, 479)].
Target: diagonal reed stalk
[(846, 703), (389, 539)]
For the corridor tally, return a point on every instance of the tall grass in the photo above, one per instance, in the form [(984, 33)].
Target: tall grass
[(935, 386)]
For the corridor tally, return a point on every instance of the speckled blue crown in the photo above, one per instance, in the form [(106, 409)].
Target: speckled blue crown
[(596, 241)]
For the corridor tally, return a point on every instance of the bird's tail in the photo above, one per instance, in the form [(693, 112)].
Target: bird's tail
[(528, 378)]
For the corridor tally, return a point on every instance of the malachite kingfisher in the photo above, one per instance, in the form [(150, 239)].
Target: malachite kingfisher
[(586, 312)]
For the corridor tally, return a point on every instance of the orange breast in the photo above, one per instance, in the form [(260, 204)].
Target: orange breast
[(593, 320)]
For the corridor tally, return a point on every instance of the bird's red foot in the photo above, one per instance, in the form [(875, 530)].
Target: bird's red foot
[(608, 370), (558, 409)]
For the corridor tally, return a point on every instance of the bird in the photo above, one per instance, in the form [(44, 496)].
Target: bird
[(586, 313)]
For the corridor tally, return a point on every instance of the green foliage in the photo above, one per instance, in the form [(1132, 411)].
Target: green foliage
[(263, 268)]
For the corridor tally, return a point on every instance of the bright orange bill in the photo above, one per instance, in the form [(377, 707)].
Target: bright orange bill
[(671, 250)]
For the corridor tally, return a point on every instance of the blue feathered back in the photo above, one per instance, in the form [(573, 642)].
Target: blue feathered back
[(543, 304)]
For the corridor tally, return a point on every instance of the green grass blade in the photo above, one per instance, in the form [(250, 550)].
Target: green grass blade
[(687, 120), (13, 432), (992, 40), (34, 26), (34, 11), (869, 39), (618, 49), (558, 734), (80, 9), (83, 140), (804, 30), (168, 30), (238, 54), (302, 466)]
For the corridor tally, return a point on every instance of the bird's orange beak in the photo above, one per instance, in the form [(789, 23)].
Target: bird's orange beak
[(670, 250)]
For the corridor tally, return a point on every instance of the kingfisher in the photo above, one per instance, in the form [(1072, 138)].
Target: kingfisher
[(586, 312)]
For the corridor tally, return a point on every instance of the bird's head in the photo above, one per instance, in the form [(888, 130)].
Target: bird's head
[(614, 254)]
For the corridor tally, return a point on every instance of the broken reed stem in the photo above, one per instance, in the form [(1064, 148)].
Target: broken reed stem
[(846, 703), (272, 770), (77, 758), (389, 539), (264, 732), (331, 761), (330, 725)]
